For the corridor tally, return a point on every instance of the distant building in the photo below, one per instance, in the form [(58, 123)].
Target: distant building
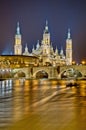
[(17, 61), (44, 49)]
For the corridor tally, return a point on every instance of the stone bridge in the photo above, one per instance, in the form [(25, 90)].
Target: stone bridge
[(52, 72), (31, 72)]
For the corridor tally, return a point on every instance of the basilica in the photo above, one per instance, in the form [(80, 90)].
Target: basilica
[(44, 50)]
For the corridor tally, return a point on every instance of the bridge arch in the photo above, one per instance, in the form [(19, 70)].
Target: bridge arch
[(41, 74), (19, 74), (70, 73)]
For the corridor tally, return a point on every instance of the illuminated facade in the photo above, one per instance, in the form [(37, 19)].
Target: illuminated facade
[(44, 49), (69, 49), (18, 45)]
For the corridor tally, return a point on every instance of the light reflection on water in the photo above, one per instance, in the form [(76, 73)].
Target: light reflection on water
[(18, 96)]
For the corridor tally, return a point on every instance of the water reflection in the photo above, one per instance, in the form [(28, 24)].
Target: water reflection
[(5, 88), (18, 96)]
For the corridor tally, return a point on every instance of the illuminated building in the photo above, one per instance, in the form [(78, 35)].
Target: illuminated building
[(44, 49), (69, 49), (18, 45)]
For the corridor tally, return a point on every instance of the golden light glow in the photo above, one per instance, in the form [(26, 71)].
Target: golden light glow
[(73, 62), (83, 62)]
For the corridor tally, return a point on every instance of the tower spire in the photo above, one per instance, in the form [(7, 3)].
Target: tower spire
[(68, 36), (46, 26), (18, 29), (26, 48)]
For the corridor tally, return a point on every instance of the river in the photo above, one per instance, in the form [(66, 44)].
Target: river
[(21, 97)]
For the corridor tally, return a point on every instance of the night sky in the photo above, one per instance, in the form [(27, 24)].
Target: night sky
[(32, 14)]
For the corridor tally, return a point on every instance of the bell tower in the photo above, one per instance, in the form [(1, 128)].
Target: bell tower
[(68, 49), (46, 40), (18, 45)]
